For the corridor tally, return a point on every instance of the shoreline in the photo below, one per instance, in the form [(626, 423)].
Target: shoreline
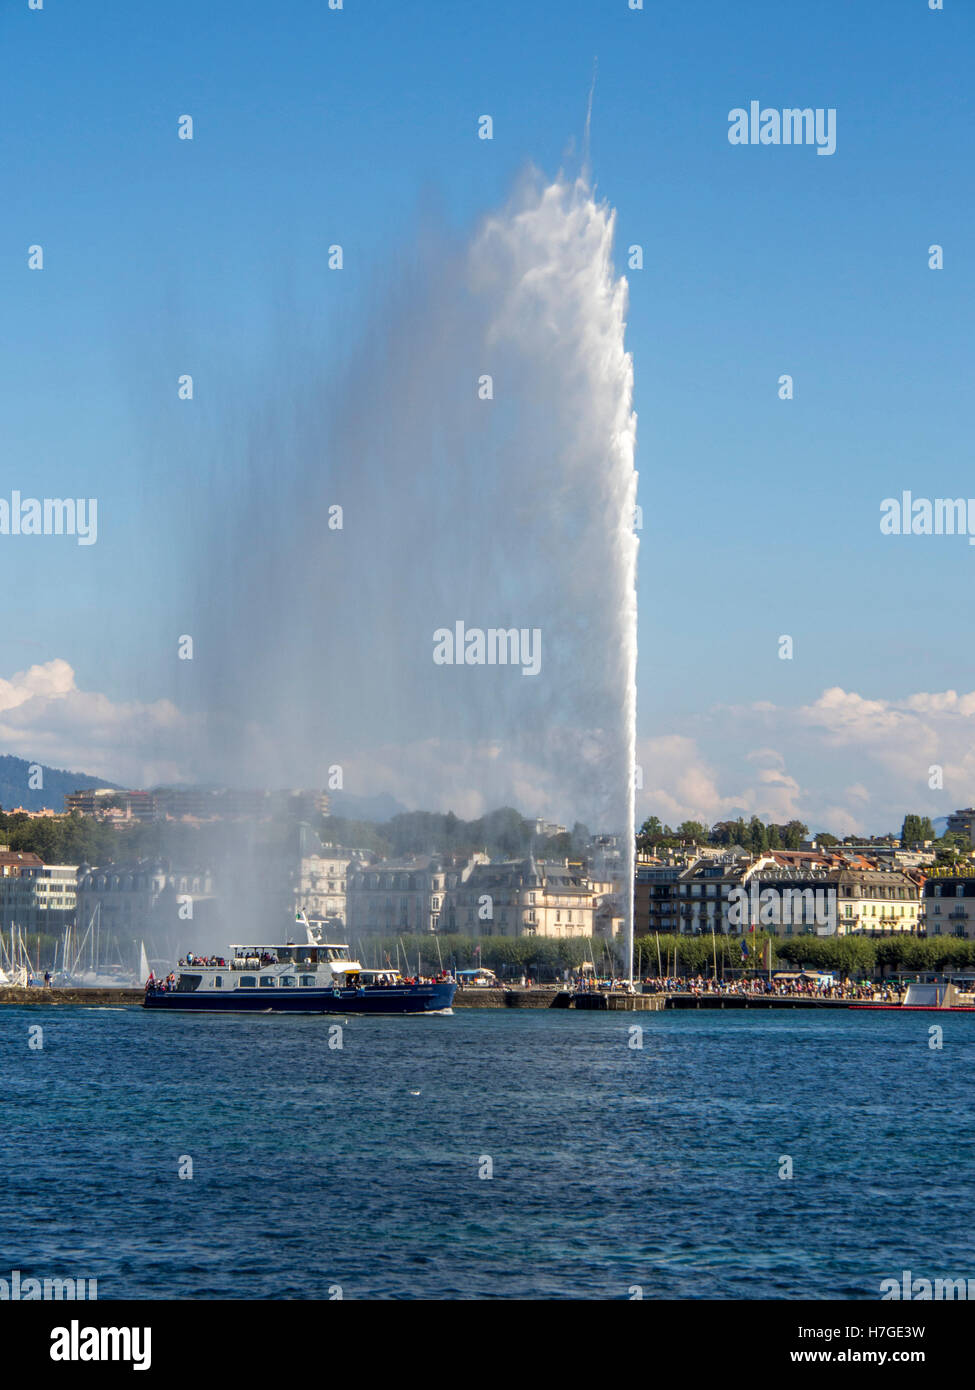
[(539, 997)]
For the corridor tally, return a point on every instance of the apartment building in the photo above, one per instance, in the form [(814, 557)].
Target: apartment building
[(949, 904), (527, 897)]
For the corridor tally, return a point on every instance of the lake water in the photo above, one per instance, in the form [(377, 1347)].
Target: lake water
[(613, 1166)]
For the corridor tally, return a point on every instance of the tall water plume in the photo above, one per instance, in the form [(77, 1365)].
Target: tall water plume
[(502, 506)]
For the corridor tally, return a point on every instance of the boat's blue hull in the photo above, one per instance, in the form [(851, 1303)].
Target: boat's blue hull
[(409, 999)]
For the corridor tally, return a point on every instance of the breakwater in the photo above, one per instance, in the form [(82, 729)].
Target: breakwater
[(93, 998), (754, 1001)]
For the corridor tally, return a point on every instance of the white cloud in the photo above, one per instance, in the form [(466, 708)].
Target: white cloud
[(844, 762), (45, 717)]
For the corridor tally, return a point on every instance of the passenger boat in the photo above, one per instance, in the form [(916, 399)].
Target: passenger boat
[(308, 978)]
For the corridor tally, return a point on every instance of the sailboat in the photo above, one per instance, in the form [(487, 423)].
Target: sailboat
[(96, 973), (15, 963)]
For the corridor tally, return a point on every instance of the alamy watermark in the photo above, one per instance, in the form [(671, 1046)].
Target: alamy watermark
[(767, 907), (922, 1290), (496, 646), (23, 1289), (77, 1343), (792, 125), (50, 516), (921, 516)]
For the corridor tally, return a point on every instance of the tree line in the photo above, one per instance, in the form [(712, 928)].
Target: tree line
[(758, 836), (850, 955)]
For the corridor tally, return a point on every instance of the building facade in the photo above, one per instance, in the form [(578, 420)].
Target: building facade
[(194, 804), (526, 897), (146, 899), (655, 897), (949, 905), (322, 887), (42, 898), (877, 901), (403, 895)]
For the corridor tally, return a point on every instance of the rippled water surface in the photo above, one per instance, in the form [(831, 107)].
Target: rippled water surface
[(613, 1166)]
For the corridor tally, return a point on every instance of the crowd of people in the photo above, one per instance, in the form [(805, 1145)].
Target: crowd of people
[(161, 986), (807, 987)]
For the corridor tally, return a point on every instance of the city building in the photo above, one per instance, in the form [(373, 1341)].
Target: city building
[(321, 890), (194, 804), (877, 901), (41, 898), (826, 891), (15, 862), (525, 897), (963, 823), (949, 903), (704, 888), (546, 828), (146, 899), (655, 896), (403, 895)]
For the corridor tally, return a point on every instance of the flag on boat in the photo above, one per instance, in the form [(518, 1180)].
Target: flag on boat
[(744, 949)]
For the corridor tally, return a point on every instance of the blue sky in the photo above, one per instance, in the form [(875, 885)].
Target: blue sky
[(761, 517)]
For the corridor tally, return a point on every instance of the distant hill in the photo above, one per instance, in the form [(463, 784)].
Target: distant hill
[(15, 791)]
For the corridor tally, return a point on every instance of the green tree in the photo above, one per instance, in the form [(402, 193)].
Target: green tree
[(693, 830), (794, 833), (650, 833), (911, 829), (951, 847), (757, 836)]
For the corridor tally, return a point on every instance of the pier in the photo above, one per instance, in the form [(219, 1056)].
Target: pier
[(93, 998), (608, 1000), (753, 1001)]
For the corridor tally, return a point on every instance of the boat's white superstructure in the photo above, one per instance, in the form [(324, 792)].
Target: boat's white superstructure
[(270, 967)]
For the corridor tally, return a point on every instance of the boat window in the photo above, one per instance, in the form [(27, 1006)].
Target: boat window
[(267, 981), (307, 979), (287, 980), (286, 953), (247, 982), (218, 982)]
